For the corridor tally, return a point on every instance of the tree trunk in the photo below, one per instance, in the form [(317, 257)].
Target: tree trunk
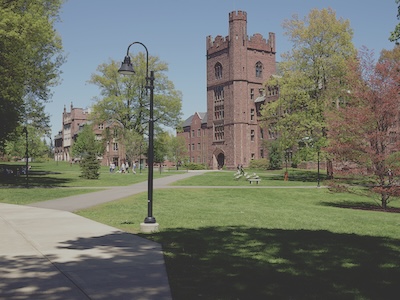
[(384, 199), (329, 169)]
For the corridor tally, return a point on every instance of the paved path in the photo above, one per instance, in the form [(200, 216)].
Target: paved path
[(47, 252), (77, 202)]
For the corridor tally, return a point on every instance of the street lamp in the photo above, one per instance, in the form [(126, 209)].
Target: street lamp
[(149, 224)]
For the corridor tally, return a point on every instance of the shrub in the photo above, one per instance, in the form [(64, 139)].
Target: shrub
[(261, 164), (194, 166)]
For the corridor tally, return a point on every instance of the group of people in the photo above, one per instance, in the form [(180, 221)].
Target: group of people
[(123, 169), (240, 169)]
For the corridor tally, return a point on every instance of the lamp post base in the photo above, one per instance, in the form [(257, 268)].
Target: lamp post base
[(148, 227)]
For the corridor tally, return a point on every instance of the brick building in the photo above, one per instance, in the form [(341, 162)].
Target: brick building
[(73, 122), (237, 68)]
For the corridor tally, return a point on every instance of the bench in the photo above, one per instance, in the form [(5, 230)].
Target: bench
[(256, 180)]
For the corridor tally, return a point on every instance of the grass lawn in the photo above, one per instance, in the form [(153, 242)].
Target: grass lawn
[(246, 243), (52, 180), (271, 243), (268, 178), (22, 196)]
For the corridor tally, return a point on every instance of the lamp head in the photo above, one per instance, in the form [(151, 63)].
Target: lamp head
[(126, 67)]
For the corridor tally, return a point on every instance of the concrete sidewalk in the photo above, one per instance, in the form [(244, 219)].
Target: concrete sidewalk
[(47, 252)]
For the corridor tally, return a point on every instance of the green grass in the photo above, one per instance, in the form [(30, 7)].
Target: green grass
[(62, 174), (267, 243), (268, 178), (51, 180), (249, 243), (23, 196)]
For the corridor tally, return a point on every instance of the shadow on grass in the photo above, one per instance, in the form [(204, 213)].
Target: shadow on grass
[(255, 263), (361, 205), (35, 179)]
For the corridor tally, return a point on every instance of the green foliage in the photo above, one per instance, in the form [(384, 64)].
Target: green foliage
[(259, 164), (395, 35), (87, 148), (177, 151), (16, 148), (30, 57), (90, 165), (125, 99), (85, 142), (274, 156), (194, 166), (161, 143), (311, 78)]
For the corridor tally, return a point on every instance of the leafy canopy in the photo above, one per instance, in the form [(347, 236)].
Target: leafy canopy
[(30, 57), (363, 130), (310, 78), (126, 99)]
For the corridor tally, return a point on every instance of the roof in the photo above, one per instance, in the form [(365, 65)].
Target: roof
[(202, 116), (260, 99)]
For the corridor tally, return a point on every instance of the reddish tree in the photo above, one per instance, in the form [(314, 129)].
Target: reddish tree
[(363, 127)]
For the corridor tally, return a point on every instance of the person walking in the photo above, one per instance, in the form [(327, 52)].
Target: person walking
[(134, 168)]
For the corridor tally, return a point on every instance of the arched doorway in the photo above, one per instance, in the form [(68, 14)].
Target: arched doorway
[(220, 160)]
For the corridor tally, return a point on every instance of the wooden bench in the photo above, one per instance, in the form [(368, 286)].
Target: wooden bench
[(256, 180)]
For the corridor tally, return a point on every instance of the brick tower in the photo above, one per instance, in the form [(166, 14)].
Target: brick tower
[(237, 67)]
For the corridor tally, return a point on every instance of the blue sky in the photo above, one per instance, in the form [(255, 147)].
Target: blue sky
[(95, 31)]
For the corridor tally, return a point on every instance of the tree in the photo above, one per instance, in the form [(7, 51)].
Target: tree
[(90, 165), (134, 145), (395, 35), (125, 98), (30, 57), (87, 148), (362, 130), (161, 143), (310, 79), (274, 156), (85, 141), (16, 148), (178, 151)]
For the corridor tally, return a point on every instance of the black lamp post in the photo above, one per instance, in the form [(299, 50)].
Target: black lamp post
[(25, 130), (127, 69)]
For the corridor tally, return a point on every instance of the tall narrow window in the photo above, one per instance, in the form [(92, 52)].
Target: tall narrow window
[(219, 103), (259, 67), (219, 132), (252, 135), (252, 114), (218, 71)]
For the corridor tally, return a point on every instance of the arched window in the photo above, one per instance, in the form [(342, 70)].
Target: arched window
[(259, 68), (218, 71)]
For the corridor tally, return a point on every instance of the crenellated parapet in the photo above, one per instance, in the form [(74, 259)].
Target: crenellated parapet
[(258, 42), (237, 15), (218, 44)]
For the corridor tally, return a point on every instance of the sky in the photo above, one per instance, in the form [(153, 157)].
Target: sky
[(95, 31)]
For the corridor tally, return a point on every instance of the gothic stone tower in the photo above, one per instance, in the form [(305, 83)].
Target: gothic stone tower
[(237, 67)]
